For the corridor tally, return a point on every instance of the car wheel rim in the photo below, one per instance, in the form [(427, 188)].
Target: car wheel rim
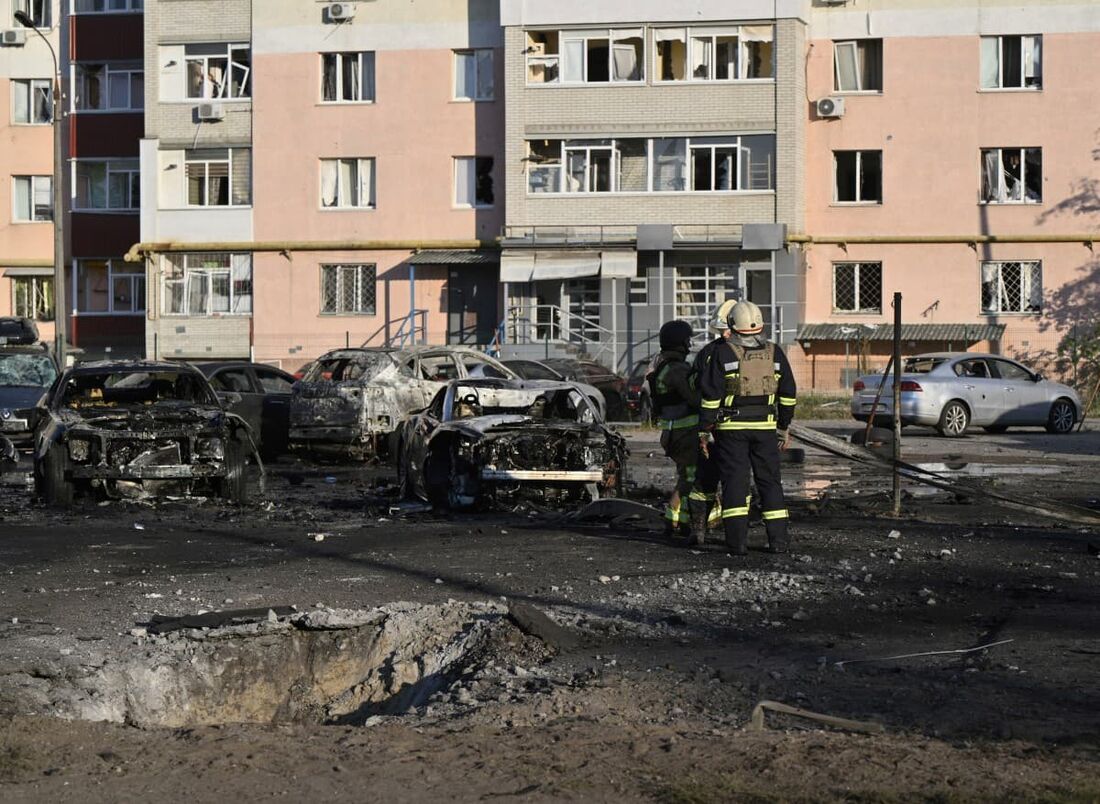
[(956, 420), (1063, 418)]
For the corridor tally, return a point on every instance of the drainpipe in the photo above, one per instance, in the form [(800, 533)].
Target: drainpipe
[(412, 305), (1086, 239), (138, 250)]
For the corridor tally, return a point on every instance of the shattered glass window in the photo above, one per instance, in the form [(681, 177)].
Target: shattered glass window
[(923, 365), (109, 389), (26, 370), (362, 366), (1012, 287), (568, 404)]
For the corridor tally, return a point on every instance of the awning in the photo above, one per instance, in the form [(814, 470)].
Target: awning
[(43, 270), (956, 333), (527, 266), (454, 258)]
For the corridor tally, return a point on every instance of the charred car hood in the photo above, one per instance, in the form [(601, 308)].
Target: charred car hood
[(489, 426), (142, 419), (17, 397)]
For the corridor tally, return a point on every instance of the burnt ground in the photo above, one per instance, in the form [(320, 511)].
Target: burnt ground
[(675, 646)]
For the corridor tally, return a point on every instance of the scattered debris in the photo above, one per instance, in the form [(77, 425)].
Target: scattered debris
[(215, 619), (924, 653), (534, 622), (757, 721)]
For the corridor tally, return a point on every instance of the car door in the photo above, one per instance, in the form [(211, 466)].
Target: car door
[(275, 408), (417, 431), (980, 390), (238, 380), (1024, 399)]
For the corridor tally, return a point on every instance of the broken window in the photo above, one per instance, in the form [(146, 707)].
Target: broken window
[(578, 57), (670, 165), (858, 177), (725, 53), (714, 55), (219, 177), (220, 70), (33, 297), (108, 185), (1012, 175), (33, 198), (857, 287), (543, 59), (474, 181), (32, 101), (857, 65), (757, 162), (202, 284), (109, 287), (348, 289), (758, 51), (1012, 62), (474, 75), (714, 163), (347, 77), (1012, 287), (670, 45), (108, 87), (37, 10), (544, 166), (589, 166), (347, 183)]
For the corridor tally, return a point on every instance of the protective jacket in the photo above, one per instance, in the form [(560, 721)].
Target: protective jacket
[(673, 391), (747, 388)]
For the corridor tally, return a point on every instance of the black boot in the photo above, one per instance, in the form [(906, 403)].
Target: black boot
[(779, 540), (737, 535), (699, 511)]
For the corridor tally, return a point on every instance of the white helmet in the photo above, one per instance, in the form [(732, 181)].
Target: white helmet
[(717, 324), (745, 319)]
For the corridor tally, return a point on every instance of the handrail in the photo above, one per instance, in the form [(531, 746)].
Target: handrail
[(405, 329)]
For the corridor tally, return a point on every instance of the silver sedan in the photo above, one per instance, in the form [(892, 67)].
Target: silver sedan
[(953, 390)]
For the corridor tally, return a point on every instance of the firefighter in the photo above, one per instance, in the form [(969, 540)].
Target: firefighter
[(703, 500), (748, 402), (676, 409)]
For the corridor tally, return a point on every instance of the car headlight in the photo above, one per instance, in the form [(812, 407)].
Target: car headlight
[(79, 449), (210, 448)]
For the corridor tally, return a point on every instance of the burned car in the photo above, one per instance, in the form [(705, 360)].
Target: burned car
[(508, 440), (352, 400), (135, 427)]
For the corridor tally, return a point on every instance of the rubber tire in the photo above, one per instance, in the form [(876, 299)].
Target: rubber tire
[(234, 486), (55, 490), (996, 429), (1062, 417), (954, 420)]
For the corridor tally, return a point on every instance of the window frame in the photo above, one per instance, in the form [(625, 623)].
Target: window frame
[(1000, 87), (361, 58), (33, 180), (637, 291), (859, 56), (209, 271), (857, 306), (230, 186), (858, 175), (124, 270), (475, 54), (45, 22), (982, 310), (361, 268), (110, 71), (131, 7), (559, 60), (456, 202), (28, 87), (1023, 200), (41, 288), (692, 32), (372, 195), (227, 82), (134, 172)]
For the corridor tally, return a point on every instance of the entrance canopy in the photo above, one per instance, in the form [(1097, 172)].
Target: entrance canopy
[(528, 266)]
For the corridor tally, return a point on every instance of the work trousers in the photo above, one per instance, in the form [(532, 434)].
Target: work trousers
[(681, 446), (738, 451), (704, 495)]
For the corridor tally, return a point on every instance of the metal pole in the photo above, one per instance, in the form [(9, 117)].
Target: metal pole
[(614, 325), (897, 403)]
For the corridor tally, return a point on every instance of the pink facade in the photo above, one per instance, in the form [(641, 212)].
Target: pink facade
[(931, 122), (412, 130)]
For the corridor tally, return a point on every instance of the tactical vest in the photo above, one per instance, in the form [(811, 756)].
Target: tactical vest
[(752, 373), (668, 406)]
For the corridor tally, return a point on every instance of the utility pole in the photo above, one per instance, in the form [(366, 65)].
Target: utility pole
[(60, 297)]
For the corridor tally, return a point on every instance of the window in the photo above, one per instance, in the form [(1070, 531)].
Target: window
[(858, 177), (347, 183), (232, 381), (108, 185), (701, 288), (637, 292), (348, 289), (108, 87), (729, 53), (857, 66), (1013, 372), (32, 101), (585, 57), (474, 75), (1012, 62), (218, 70), (1012, 287), (204, 284), (109, 287), (107, 6), (1012, 175), (273, 382), (33, 198), (589, 166), (37, 10), (347, 77), (857, 287), (33, 297), (474, 181), (219, 177)]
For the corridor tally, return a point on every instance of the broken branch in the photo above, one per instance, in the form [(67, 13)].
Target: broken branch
[(757, 722)]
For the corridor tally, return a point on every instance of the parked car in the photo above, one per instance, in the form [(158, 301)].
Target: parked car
[(505, 440), (129, 427), (610, 384), (534, 370), (638, 402), (353, 399), (26, 373), (17, 331), (259, 394), (953, 390)]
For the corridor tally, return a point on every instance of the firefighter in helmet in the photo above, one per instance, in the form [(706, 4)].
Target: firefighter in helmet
[(676, 400), (748, 402)]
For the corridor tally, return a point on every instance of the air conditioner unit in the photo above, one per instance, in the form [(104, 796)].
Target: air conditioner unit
[(16, 36), (211, 111), (339, 12), (830, 107)]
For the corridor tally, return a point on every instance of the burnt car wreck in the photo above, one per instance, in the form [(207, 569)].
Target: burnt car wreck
[(507, 441), (136, 428)]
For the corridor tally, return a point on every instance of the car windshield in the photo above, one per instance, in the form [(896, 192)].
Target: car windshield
[(641, 368), (343, 368), (26, 370), (531, 370), (109, 389), (556, 403), (923, 365)]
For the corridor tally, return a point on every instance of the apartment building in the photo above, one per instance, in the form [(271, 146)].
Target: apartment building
[(27, 72), (320, 174), (955, 161), (654, 165)]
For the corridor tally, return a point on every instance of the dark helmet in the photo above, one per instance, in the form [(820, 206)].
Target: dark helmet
[(676, 335)]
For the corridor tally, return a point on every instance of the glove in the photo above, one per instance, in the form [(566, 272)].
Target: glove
[(784, 438), (706, 438)]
